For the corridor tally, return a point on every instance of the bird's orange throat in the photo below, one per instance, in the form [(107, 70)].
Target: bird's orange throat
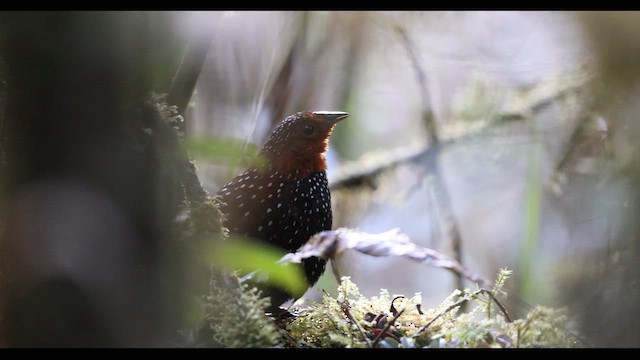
[(301, 164), (303, 158)]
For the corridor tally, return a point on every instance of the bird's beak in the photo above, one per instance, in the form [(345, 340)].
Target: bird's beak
[(331, 117)]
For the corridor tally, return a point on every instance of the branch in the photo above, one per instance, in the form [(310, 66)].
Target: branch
[(184, 82), (427, 112), (589, 133), (168, 144), (387, 326), (360, 173), (347, 312), (331, 244), (461, 302), (449, 308), (364, 172), (442, 197), (498, 303), (180, 92)]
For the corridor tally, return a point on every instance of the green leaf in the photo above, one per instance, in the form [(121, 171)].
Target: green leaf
[(246, 255), (533, 195), (231, 151)]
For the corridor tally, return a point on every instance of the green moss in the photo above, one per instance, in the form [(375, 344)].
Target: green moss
[(543, 327), (347, 321), (325, 324), (203, 220), (234, 314), (168, 112)]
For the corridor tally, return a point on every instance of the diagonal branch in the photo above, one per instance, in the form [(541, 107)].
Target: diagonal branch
[(461, 303), (185, 79)]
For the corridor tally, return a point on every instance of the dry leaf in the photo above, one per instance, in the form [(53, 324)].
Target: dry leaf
[(330, 244)]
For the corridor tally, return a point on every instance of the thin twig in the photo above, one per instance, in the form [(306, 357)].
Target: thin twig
[(433, 162), (578, 338), (498, 303), (449, 308), (288, 338), (345, 310), (427, 108), (387, 327), (582, 135), (393, 309), (463, 301)]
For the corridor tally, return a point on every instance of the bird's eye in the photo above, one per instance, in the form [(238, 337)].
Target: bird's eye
[(307, 130)]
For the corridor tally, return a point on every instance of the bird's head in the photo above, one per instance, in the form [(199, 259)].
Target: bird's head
[(299, 141)]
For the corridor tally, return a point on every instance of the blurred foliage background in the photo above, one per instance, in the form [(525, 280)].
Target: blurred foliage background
[(503, 139)]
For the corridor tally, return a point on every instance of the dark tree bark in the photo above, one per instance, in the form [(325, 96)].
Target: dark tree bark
[(87, 255)]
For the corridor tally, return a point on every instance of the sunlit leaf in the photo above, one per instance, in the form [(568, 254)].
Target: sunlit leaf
[(193, 311), (231, 151), (245, 255)]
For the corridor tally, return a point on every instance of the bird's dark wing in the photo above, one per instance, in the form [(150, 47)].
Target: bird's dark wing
[(279, 209)]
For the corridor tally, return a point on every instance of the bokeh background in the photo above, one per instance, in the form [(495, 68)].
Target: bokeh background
[(533, 115)]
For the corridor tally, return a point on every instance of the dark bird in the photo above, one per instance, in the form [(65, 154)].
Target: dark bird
[(285, 198)]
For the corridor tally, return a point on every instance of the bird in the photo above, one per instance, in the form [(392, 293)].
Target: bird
[(284, 198)]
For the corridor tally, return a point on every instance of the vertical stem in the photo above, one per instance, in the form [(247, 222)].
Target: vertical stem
[(531, 220), (443, 200)]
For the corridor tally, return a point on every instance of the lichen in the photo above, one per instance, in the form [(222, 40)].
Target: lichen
[(234, 317), (168, 112), (203, 220), (352, 320), (325, 325)]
